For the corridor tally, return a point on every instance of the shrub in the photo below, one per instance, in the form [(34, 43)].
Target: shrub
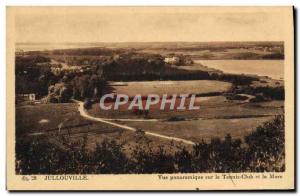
[(257, 98)]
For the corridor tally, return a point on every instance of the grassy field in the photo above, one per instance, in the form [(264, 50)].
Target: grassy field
[(196, 130), (216, 118), (211, 120), (170, 87), (32, 119), (210, 108)]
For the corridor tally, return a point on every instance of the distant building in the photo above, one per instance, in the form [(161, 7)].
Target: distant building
[(116, 57), (68, 69), (172, 60), (26, 97)]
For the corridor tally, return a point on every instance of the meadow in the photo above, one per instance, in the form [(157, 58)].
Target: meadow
[(170, 87), (43, 120), (217, 117)]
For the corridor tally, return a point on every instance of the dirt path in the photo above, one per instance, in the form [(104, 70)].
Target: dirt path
[(131, 120), (84, 114)]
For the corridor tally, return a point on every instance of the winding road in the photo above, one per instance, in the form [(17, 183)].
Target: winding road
[(84, 114)]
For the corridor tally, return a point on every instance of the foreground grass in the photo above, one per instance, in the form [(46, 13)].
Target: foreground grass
[(261, 151), (44, 117)]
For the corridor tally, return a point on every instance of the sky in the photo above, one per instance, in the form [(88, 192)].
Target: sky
[(94, 24)]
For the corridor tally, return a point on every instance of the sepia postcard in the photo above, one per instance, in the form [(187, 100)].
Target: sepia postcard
[(150, 98)]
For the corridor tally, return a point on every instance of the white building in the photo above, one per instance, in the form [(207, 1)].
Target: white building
[(172, 60), (26, 97)]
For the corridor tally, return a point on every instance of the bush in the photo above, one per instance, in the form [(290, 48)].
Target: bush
[(257, 98), (87, 104), (268, 92), (265, 150), (237, 97), (176, 118)]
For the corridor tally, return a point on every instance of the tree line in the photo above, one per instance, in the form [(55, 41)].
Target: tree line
[(34, 75)]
